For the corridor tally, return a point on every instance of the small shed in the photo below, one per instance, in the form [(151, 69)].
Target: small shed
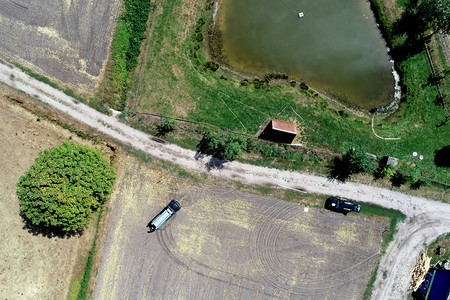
[(388, 160), (279, 131)]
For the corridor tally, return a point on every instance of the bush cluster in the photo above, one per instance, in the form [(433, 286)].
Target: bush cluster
[(135, 18), (167, 125), (222, 145), (64, 186)]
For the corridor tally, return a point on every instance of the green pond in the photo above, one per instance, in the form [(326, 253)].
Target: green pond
[(335, 47)]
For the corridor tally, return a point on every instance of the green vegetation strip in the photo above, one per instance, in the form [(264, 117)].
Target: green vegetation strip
[(443, 242), (126, 44), (387, 236), (84, 284), (45, 80)]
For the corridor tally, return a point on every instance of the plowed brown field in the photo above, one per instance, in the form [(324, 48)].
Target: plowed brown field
[(65, 40)]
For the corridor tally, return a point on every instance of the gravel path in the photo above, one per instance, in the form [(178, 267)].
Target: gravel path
[(426, 219)]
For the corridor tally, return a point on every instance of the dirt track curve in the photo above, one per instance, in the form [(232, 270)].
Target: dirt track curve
[(426, 219)]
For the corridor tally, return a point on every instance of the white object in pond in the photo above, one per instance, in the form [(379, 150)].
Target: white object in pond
[(300, 14)]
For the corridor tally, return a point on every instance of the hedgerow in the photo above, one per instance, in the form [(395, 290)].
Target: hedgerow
[(126, 44)]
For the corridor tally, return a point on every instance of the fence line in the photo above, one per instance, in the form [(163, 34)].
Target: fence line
[(433, 72)]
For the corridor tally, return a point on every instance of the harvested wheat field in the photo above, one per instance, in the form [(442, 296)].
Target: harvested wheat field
[(67, 41), (228, 244)]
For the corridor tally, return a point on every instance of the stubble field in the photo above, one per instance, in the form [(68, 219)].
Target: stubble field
[(228, 244)]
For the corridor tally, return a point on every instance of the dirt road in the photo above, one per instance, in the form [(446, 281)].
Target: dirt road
[(426, 219)]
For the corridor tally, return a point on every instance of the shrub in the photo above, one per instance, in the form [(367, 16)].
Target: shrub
[(224, 146), (358, 162), (244, 82), (64, 186), (387, 171), (353, 162), (167, 125), (212, 66), (199, 37)]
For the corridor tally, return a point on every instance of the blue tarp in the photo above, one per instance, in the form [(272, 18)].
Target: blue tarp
[(440, 286)]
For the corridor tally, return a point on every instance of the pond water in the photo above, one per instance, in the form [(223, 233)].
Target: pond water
[(335, 47)]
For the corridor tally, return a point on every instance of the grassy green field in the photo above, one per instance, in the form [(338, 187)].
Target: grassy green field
[(175, 83)]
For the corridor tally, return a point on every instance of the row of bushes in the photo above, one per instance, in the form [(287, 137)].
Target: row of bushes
[(197, 43), (356, 161), (229, 146)]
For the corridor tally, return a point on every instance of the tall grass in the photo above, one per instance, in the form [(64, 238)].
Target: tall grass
[(81, 286)]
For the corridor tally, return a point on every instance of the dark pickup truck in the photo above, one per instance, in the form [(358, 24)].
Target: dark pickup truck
[(341, 205)]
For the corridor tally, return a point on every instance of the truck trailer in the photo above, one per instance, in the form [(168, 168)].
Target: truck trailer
[(164, 215)]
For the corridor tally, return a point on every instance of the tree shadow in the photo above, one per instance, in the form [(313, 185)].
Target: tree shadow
[(409, 27), (215, 163), (398, 179), (416, 185), (47, 231), (199, 155), (442, 157), (162, 131), (338, 170)]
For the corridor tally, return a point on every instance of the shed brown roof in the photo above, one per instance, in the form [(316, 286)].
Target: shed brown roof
[(283, 126)]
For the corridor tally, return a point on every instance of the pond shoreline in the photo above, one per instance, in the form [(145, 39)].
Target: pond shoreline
[(215, 49)]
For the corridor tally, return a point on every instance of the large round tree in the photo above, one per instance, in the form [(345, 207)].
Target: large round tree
[(64, 186)]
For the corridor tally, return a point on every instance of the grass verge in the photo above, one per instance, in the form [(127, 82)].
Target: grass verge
[(125, 49), (45, 80), (444, 242), (80, 285)]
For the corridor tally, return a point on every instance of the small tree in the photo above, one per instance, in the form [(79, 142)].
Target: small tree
[(64, 185), (357, 161), (167, 125), (415, 180), (387, 171), (353, 162), (224, 146)]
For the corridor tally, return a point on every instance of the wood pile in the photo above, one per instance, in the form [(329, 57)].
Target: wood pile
[(419, 271)]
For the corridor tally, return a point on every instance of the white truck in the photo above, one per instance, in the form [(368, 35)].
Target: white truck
[(164, 215)]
